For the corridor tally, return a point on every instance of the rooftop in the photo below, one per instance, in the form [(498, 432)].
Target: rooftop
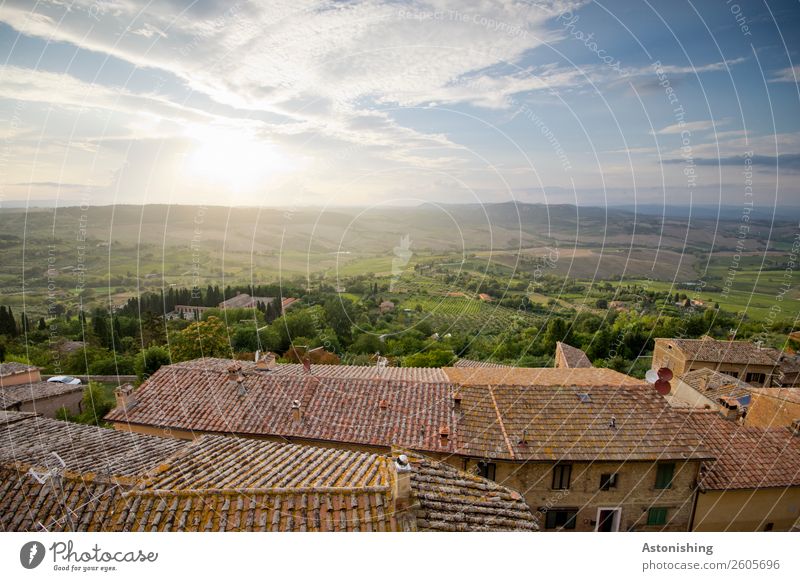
[(712, 350), (14, 395), (747, 457), (714, 384), (13, 368), (539, 376), (377, 412), (473, 363), (572, 355), (219, 483), (578, 423)]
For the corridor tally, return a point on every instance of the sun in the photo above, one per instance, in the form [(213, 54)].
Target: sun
[(234, 159)]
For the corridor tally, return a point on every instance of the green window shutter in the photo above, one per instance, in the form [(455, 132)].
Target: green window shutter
[(657, 516)]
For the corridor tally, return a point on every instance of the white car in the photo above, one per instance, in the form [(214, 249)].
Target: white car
[(68, 379)]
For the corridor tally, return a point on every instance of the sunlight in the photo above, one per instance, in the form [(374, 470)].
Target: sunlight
[(235, 159)]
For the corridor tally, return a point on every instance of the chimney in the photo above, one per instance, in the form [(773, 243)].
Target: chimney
[(307, 364), (383, 405), (297, 412), (402, 498), (457, 401), (444, 436), (795, 427), (266, 362), (241, 389), (729, 408), (233, 372), (125, 397)]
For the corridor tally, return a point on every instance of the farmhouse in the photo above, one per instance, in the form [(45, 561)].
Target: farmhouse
[(705, 388)]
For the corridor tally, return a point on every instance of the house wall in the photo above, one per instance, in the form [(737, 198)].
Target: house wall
[(635, 493), (747, 510), (49, 406), (686, 393), (32, 376), (766, 411)]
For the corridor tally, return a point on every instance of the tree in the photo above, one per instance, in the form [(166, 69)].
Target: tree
[(207, 338), (339, 315), (95, 405), (601, 304), (149, 360), (430, 358)]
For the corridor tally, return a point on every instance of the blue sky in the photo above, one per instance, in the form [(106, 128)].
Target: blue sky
[(306, 103)]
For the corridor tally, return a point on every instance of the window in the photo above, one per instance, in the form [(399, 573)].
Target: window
[(657, 516), (608, 481), (732, 373), (487, 469), (561, 476), (585, 398), (561, 518), (755, 378), (664, 474)]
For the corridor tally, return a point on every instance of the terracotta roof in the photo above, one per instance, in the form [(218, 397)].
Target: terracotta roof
[(711, 350), (572, 355), (13, 368), (746, 457), (11, 396), (453, 500), (244, 300), (71, 502), (417, 374), (552, 423), (539, 376), (224, 462), (473, 363), (714, 384), (219, 483), (87, 449), (334, 409)]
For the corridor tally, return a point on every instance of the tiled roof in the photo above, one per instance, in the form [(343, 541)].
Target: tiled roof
[(746, 457), (17, 394), (225, 462), (85, 449), (473, 363), (71, 502), (711, 350), (417, 374), (453, 500), (363, 411), (573, 356), (244, 300), (552, 423), (219, 483), (715, 385), (12, 368), (539, 376)]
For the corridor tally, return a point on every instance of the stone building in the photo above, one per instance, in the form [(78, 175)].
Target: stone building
[(42, 397), (589, 449), (14, 373), (743, 360)]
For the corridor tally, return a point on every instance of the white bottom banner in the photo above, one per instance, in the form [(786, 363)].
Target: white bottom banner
[(356, 556)]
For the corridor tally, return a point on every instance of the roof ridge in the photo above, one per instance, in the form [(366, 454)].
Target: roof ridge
[(502, 425), (274, 490)]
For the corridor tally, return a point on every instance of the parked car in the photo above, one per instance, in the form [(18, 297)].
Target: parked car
[(68, 379)]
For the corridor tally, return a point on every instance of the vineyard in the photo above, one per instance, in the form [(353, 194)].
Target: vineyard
[(454, 314)]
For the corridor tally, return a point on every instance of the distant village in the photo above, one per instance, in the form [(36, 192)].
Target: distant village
[(709, 442)]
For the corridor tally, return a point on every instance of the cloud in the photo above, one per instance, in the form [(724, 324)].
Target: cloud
[(787, 75), (787, 161), (693, 126)]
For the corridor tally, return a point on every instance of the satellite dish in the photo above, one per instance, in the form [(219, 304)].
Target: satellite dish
[(651, 376), (662, 386), (665, 373)]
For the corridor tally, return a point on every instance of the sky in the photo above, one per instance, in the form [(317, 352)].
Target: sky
[(305, 103)]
